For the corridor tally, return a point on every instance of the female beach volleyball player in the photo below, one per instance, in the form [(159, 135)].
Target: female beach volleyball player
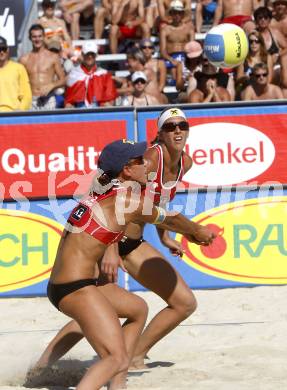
[(97, 222), (143, 262)]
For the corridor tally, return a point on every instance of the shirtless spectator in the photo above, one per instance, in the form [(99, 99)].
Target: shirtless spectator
[(103, 17), (77, 13), (140, 97), (164, 11), (151, 14), (260, 89), (137, 62), (127, 22), (155, 64), (174, 37), (44, 69), (87, 85), (238, 12), (207, 89), (55, 28), (204, 13), (279, 20), (275, 41)]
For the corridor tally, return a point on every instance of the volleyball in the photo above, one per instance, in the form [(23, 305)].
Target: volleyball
[(226, 45)]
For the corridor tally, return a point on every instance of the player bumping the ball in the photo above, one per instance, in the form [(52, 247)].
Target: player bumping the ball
[(166, 162), (226, 45)]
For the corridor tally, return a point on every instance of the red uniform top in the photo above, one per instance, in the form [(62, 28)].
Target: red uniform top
[(163, 193), (82, 217)]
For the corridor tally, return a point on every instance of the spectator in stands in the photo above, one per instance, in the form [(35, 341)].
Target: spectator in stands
[(257, 54), (137, 62), (238, 12), (15, 90), (55, 28), (275, 42), (45, 71), (174, 36), (260, 88), (103, 17), (151, 14), (207, 89), (164, 11), (128, 22), (279, 19), (139, 96), (186, 82), (78, 13), (204, 13), (155, 64), (87, 85)]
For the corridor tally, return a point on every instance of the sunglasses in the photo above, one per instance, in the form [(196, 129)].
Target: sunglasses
[(3, 49), (254, 41), (171, 126), (136, 161), (147, 47), (261, 75), (142, 81)]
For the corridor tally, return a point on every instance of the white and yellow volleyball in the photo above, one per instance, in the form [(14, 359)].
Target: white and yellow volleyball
[(226, 45)]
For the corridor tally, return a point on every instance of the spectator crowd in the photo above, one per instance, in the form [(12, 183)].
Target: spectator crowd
[(163, 45)]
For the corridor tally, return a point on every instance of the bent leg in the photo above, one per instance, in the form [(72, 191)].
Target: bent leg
[(148, 267), (101, 327)]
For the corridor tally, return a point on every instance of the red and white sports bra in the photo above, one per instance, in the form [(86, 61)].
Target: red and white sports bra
[(163, 193), (82, 218)]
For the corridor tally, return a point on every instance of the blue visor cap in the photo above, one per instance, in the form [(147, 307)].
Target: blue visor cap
[(117, 154)]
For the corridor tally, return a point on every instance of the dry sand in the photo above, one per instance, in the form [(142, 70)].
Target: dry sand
[(236, 340)]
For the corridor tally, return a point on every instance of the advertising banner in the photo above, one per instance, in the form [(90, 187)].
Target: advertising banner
[(250, 248), (231, 146), (55, 155)]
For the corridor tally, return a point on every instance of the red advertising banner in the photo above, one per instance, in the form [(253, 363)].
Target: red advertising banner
[(235, 150), (52, 159)]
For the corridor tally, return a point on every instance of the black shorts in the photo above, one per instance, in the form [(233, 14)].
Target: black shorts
[(56, 292), (127, 245)]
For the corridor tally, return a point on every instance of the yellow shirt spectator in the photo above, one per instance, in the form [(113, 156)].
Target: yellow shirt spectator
[(15, 90)]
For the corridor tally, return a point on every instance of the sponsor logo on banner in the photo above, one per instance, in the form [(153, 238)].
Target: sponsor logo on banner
[(28, 245), (251, 243), (227, 153)]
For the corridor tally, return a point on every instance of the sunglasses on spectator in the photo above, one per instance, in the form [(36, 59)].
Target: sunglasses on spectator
[(147, 47), (136, 161), (254, 40), (171, 126), (258, 75), (4, 49), (142, 81)]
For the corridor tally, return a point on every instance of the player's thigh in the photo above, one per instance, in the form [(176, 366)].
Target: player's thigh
[(154, 272), (126, 304), (97, 319)]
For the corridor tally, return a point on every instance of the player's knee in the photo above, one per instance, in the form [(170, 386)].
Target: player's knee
[(140, 311), (186, 305)]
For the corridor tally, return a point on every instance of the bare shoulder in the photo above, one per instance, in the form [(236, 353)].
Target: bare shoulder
[(151, 156), (24, 59)]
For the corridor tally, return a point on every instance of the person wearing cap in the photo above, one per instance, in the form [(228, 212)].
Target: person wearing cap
[(156, 65), (15, 89), (87, 85), (99, 221), (45, 70), (164, 11), (55, 28), (128, 22), (139, 97), (279, 19), (174, 37), (166, 163), (207, 89)]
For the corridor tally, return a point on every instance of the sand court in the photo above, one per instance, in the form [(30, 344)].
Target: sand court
[(236, 340)]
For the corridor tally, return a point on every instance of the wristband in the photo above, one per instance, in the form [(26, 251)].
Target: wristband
[(161, 215)]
